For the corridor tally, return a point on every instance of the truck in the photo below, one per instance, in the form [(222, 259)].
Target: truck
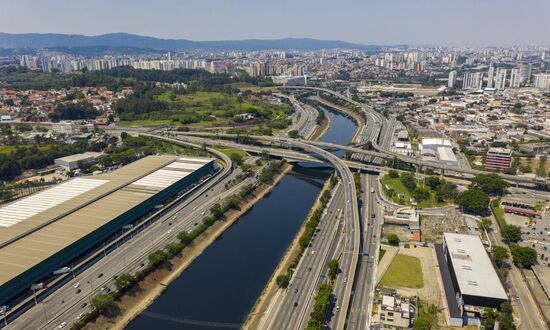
[(159, 206), (62, 270), (371, 190)]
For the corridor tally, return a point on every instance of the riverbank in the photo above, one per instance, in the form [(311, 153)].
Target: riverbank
[(264, 300), (359, 120), (323, 128), (131, 304)]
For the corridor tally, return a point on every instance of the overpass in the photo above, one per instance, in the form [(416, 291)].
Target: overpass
[(382, 154)]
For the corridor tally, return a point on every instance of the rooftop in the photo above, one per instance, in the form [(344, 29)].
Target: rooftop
[(37, 227), (474, 271)]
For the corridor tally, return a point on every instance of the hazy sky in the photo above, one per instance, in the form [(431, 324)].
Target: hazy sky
[(438, 22)]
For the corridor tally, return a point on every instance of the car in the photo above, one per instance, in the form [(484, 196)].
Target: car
[(142, 264), (100, 275), (203, 212), (295, 290), (83, 305), (345, 280), (295, 304), (80, 316), (62, 325), (78, 290), (338, 308), (77, 285), (312, 251)]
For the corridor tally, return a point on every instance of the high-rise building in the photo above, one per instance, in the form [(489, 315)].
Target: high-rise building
[(498, 159), (490, 77), (452, 79), (542, 81), (472, 80), (525, 70), (500, 79), (515, 80)]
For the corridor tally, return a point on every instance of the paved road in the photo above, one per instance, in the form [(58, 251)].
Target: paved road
[(525, 308), (294, 305), (361, 307)]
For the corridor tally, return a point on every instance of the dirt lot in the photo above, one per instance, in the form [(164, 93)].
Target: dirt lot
[(401, 231), (432, 226)]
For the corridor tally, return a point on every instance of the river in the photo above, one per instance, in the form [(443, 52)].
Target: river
[(220, 287)]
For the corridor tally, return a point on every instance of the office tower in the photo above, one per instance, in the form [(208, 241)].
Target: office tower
[(452, 79), (542, 81), (491, 77), (515, 80), (500, 79), (472, 80), (525, 70)]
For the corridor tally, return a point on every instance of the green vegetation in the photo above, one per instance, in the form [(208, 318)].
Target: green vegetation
[(491, 184), (393, 239), (333, 268), (102, 302), (124, 281), (73, 111), (422, 323), (283, 281), (18, 158), (473, 201), (523, 256), (151, 103), (503, 315), (236, 155), (500, 255), (320, 307), (404, 271), (381, 254), (402, 187), (510, 233)]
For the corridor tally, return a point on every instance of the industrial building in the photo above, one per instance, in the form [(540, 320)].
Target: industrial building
[(469, 278), (48, 230), (431, 147), (72, 162)]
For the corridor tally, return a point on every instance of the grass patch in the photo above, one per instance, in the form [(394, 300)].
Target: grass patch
[(381, 254), (228, 151), (400, 190), (10, 148), (499, 215), (145, 123), (404, 271), (253, 88)]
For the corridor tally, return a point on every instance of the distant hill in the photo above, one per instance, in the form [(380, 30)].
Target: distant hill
[(54, 40)]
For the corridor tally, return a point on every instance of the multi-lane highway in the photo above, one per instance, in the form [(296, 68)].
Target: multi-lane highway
[(371, 226), (291, 307)]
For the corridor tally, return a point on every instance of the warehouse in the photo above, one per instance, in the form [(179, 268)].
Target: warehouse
[(72, 162), (47, 230), (469, 278)]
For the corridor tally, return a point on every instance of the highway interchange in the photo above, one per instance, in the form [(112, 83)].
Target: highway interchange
[(349, 231)]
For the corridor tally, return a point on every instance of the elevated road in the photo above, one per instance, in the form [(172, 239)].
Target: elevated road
[(382, 154)]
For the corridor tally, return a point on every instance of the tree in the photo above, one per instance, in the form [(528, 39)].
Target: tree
[(393, 239), (523, 256), (124, 281), (293, 134), (102, 302), (185, 238), (408, 181), (333, 269), (157, 258), (9, 168), (422, 323), (420, 194), (433, 182), (499, 254), (486, 223), (505, 318), (473, 201), (283, 281), (510, 233), (236, 158), (393, 174), (217, 211), (491, 184)]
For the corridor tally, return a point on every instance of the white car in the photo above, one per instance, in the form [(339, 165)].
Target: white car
[(80, 316), (62, 325), (77, 285)]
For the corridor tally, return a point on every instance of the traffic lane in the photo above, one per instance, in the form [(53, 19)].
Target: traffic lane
[(115, 255), (303, 283)]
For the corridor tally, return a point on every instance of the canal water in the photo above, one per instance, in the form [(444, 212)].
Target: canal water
[(220, 287)]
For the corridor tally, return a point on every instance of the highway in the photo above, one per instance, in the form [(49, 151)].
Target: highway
[(292, 307), (66, 303), (372, 219)]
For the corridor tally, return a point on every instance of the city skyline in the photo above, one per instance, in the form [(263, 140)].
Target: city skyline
[(468, 23)]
